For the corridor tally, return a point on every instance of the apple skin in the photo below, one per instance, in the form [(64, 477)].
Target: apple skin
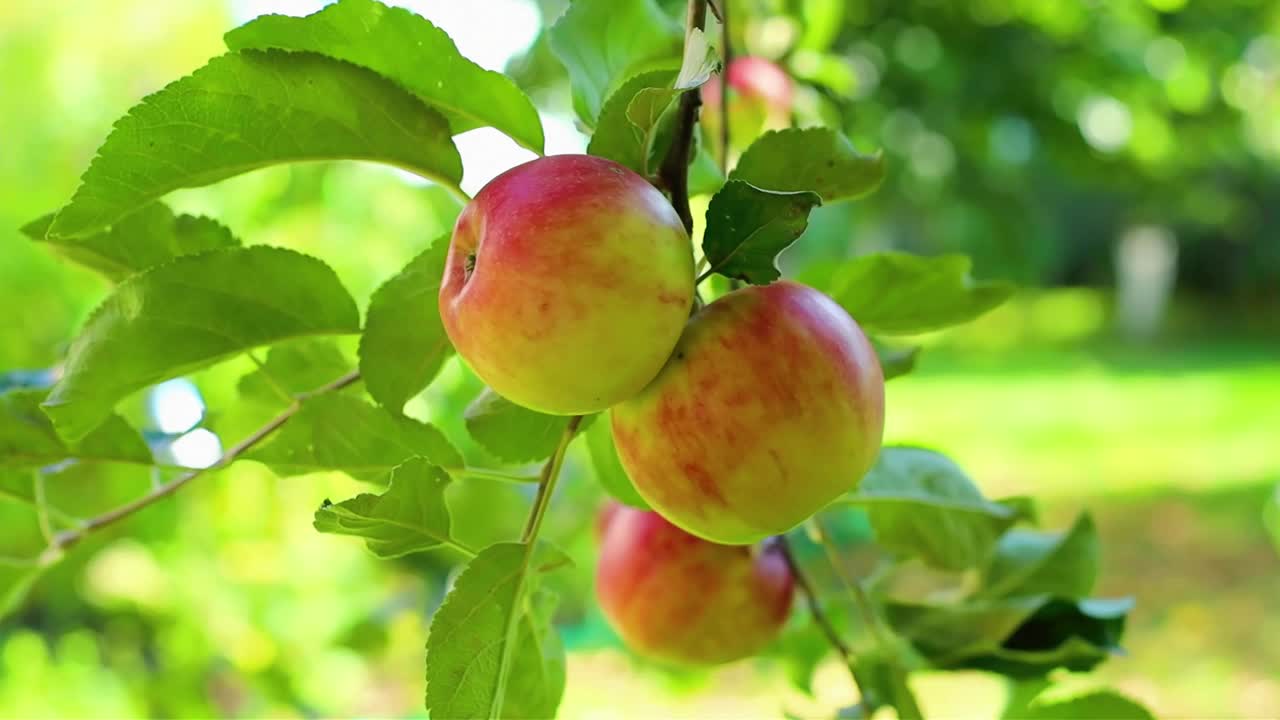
[(771, 406), (567, 283), (679, 599)]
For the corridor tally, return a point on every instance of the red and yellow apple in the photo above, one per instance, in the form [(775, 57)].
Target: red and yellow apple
[(567, 283), (760, 98), (771, 406), (680, 599)]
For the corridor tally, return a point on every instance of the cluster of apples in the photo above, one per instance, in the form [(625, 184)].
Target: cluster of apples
[(568, 288)]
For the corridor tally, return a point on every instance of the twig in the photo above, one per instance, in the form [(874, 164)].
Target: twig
[(824, 624), (68, 538), (674, 171), (547, 482), (724, 89)]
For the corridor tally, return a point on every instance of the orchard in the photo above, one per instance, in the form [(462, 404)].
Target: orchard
[(669, 425)]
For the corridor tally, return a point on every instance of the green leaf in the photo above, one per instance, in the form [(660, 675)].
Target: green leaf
[(292, 368), (1028, 562), (411, 516), (1271, 516), (922, 504), (600, 42), (748, 227), (618, 137), (190, 313), (511, 432), (248, 110), (821, 160), (404, 343), (608, 467), (896, 361), (492, 651), (902, 294), (28, 439), (1099, 704), (342, 432), (148, 237), (406, 48), (1021, 637)]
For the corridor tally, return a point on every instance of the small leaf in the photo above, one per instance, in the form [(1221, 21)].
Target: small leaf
[(608, 467), (896, 361), (1029, 562), (404, 343), (1071, 634), (28, 439), (411, 516), (1100, 704), (618, 137), (922, 504), (406, 48), (699, 62), (511, 432), (149, 237), (902, 294), (342, 432), (809, 159), (190, 313), (600, 42), (247, 110), (748, 227), (492, 651)]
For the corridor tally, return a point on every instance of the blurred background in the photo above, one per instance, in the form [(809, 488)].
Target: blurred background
[(1120, 159)]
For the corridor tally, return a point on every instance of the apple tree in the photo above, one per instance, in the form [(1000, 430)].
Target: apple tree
[(735, 417)]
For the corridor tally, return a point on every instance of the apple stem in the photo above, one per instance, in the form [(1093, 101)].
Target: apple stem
[(547, 482)]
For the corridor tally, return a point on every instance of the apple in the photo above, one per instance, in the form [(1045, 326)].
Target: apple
[(761, 98), (567, 282), (771, 406), (680, 599)]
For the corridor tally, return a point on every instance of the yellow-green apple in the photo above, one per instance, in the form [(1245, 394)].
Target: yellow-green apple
[(568, 281), (680, 599), (771, 406), (760, 98)]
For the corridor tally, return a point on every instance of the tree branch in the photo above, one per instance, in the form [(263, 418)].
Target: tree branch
[(674, 171), (67, 538), (724, 89)]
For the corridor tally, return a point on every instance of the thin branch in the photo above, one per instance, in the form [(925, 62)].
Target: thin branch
[(486, 474), (64, 540), (824, 624), (42, 508), (547, 482), (674, 171), (724, 89)]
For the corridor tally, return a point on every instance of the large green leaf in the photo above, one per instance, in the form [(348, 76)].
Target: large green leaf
[(28, 439), (404, 343), (492, 651), (601, 42), (405, 47), (411, 516), (292, 368), (341, 432), (901, 294), (1029, 562), (146, 238), (748, 227), (1092, 705), (922, 504), (820, 160), (511, 432), (608, 467), (248, 110), (1020, 637), (190, 313)]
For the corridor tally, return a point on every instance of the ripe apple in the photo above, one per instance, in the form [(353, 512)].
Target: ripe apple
[(567, 283), (760, 99), (678, 598), (771, 406)]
